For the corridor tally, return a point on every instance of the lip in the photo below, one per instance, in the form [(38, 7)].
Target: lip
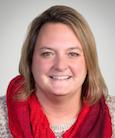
[(60, 77)]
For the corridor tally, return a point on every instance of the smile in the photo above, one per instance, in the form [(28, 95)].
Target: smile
[(56, 77)]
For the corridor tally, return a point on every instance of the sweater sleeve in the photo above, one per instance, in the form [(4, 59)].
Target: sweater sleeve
[(4, 130), (111, 104)]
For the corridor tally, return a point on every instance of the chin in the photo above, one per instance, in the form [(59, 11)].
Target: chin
[(60, 93)]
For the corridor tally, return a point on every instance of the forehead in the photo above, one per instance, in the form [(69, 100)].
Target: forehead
[(57, 34)]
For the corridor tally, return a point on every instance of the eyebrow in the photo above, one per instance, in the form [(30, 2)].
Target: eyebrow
[(46, 48), (71, 48), (75, 48)]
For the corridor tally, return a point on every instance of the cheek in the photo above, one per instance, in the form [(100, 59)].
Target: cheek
[(80, 67), (40, 66)]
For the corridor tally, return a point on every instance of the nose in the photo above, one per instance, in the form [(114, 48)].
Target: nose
[(60, 63)]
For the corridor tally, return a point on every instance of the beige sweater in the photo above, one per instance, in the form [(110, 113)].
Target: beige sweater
[(5, 133)]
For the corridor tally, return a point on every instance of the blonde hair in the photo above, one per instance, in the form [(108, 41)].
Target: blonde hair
[(94, 86)]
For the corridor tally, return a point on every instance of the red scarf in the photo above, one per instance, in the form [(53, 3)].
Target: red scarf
[(27, 120)]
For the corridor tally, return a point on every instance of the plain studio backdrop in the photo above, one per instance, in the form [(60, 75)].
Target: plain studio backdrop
[(16, 15)]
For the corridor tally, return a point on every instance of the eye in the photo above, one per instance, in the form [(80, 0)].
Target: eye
[(47, 54), (73, 54)]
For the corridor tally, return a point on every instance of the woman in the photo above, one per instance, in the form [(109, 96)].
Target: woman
[(60, 91)]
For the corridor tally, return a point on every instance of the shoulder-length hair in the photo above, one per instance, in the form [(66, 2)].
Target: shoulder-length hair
[(94, 86)]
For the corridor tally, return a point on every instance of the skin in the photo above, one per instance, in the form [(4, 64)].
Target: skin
[(59, 70)]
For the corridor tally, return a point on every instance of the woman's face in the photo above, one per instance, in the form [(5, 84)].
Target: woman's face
[(58, 64)]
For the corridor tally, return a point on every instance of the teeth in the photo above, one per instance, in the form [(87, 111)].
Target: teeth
[(60, 77)]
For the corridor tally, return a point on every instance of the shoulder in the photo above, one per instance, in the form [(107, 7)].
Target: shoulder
[(110, 101), (4, 131)]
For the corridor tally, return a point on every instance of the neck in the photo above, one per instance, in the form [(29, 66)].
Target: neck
[(60, 109)]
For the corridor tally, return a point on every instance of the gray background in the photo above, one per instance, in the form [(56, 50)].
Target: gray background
[(15, 16)]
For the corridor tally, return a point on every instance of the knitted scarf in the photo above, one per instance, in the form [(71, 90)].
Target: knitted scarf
[(27, 119)]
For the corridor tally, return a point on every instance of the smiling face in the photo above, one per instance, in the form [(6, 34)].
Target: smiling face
[(58, 63)]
